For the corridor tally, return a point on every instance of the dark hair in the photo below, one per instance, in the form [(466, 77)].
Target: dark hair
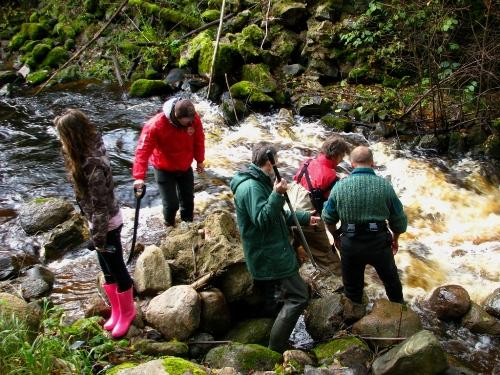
[(78, 137), (334, 146), (259, 150), (184, 108)]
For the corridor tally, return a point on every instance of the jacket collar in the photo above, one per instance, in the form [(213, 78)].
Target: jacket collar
[(361, 170), (323, 160)]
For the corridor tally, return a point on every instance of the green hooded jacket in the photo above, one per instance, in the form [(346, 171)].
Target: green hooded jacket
[(263, 225)]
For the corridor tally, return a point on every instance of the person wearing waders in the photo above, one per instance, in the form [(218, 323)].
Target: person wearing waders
[(311, 187), (171, 140), (90, 173), (270, 258), (372, 218)]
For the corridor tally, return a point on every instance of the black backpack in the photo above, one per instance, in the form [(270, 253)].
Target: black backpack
[(315, 194)]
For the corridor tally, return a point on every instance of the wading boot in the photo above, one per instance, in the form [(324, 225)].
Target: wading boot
[(111, 290), (127, 313)]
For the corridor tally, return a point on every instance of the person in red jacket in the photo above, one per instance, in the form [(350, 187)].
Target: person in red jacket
[(322, 176), (171, 140)]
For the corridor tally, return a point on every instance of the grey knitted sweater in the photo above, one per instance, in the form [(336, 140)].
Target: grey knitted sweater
[(364, 197)]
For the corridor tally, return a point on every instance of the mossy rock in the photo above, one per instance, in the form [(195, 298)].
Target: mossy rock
[(253, 34), (389, 81), (143, 88), (37, 77), (359, 74), (243, 358), (68, 74), (8, 76), (128, 48), (259, 74), (40, 51), (123, 366), (341, 124), (210, 15), (69, 44), (456, 143), (326, 353), (190, 52), (172, 348), (169, 15), (253, 331), (56, 56), (284, 44), (64, 31), (228, 59), (91, 6), (34, 17), (34, 30), (477, 136), (179, 366), (243, 89), (151, 73), (28, 46), (17, 40)]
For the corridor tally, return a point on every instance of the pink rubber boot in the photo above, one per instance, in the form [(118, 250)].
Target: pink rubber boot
[(111, 290), (127, 313)]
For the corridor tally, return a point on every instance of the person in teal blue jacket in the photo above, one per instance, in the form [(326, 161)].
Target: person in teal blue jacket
[(270, 258), (367, 207)]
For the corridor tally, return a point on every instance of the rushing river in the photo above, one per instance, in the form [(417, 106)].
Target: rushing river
[(453, 207)]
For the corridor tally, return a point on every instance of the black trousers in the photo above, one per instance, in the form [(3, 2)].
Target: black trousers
[(112, 263), (374, 249), (176, 188), (285, 300)]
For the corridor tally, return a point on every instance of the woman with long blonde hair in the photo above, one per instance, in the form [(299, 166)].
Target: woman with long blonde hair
[(90, 173)]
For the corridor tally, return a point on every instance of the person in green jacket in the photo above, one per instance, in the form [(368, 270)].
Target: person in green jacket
[(367, 207), (269, 256)]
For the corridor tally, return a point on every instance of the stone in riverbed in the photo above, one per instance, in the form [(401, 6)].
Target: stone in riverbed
[(450, 302), (42, 214), (492, 303)]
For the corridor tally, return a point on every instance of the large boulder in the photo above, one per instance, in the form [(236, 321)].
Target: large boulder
[(492, 303), (152, 272), (252, 331), (164, 366), (477, 320), (243, 358), (420, 354), (347, 351), (175, 312), (236, 283), (12, 264), (311, 105), (388, 319), (324, 317), (290, 13), (12, 306), (42, 214), (449, 302), (215, 316), (151, 347), (37, 283), (64, 237)]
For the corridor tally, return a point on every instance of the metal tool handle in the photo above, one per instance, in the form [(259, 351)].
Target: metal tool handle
[(270, 156)]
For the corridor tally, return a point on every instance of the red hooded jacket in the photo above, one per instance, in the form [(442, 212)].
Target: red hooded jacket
[(169, 147)]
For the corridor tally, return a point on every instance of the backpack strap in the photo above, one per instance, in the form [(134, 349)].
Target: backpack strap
[(306, 173)]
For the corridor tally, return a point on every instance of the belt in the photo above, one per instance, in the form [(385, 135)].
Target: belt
[(371, 227)]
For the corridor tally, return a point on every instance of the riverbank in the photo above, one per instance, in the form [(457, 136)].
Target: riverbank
[(348, 64)]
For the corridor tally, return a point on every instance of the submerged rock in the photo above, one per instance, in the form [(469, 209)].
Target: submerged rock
[(450, 302), (492, 303), (243, 358)]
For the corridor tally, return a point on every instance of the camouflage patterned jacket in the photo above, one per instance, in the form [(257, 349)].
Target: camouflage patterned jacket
[(99, 204)]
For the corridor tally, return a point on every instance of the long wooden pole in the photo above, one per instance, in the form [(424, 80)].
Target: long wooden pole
[(221, 21), (79, 52)]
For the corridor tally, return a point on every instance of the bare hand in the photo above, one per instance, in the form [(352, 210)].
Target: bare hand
[(200, 167), (280, 187), (138, 184), (394, 246), (314, 220), (301, 254)]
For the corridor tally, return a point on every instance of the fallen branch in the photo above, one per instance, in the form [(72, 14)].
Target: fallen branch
[(118, 73), (206, 26), (232, 100), (216, 49), (202, 281), (79, 52), (135, 64)]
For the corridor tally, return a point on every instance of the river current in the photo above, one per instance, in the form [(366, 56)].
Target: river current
[(453, 206)]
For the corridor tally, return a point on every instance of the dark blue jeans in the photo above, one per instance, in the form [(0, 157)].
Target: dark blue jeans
[(176, 188), (112, 263)]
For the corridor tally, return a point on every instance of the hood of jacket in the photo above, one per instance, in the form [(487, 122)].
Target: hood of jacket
[(252, 172)]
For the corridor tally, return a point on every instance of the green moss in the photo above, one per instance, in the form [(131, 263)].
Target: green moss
[(190, 52), (34, 31), (40, 51), (123, 366), (337, 123), (227, 60), (179, 366), (70, 73), (128, 48), (210, 15), (40, 200), (492, 147), (358, 73), (69, 44), (259, 74), (254, 358), (91, 6), (168, 14), (17, 40), (253, 33), (37, 77), (329, 349), (28, 46), (56, 56), (242, 89), (34, 17), (144, 87), (64, 31)]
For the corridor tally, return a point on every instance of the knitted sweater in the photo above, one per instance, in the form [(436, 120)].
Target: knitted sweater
[(364, 197)]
